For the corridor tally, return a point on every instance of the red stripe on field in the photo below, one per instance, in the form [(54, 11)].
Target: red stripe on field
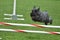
[(19, 31), (53, 33), (2, 23), (37, 25), (7, 24)]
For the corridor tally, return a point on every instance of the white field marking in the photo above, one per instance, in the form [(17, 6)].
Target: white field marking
[(11, 18), (47, 26), (12, 15), (29, 31)]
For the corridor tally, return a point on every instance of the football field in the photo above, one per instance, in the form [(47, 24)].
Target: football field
[(24, 7)]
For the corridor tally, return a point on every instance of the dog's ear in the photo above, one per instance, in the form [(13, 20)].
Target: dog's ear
[(38, 9), (34, 6)]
